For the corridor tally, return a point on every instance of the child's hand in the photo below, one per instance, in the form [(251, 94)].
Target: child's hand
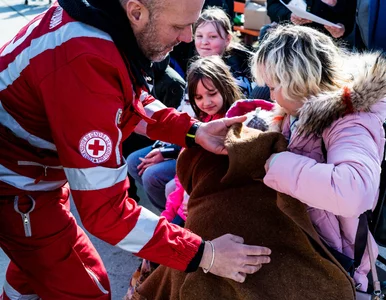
[(152, 158)]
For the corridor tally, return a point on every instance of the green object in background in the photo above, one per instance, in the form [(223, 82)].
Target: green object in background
[(238, 20)]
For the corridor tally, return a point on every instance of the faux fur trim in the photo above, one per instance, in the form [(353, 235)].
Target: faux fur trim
[(366, 89)]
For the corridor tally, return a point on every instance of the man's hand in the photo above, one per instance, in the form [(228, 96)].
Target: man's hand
[(334, 31), (298, 20), (233, 259), (152, 158), (211, 135)]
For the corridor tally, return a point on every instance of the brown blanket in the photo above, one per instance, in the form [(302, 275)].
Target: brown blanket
[(228, 196)]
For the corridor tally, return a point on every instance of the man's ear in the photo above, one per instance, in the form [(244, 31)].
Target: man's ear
[(137, 13)]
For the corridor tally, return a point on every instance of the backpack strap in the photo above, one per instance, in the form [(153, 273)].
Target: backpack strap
[(361, 238)]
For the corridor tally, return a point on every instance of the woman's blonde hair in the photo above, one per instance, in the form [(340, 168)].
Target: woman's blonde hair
[(301, 60), (214, 69)]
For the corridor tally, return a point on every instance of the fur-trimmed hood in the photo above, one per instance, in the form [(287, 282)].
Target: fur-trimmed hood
[(367, 88)]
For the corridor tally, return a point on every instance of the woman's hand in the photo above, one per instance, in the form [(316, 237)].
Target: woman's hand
[(152, 158), (335, 31), (330, 2), (298, 20), (233, 259), (211, 135)]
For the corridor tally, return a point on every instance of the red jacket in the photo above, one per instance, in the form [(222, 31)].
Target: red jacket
[(67, 103)]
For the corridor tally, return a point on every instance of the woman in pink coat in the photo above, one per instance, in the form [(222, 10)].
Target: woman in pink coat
[(325, 95)]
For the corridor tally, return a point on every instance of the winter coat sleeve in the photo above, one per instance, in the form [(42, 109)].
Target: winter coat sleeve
[(84, 115), (347, 185)]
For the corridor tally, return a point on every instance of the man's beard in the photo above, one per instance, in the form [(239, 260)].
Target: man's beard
[(147, 40)]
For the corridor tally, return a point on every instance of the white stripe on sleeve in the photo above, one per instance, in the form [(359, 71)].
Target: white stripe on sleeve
[(96, 178), (141, 234)]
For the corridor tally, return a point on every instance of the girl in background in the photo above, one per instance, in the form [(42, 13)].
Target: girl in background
[(213, 36)]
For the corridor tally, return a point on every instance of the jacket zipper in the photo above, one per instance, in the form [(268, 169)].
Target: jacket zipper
[(27, 225), (25, 215)]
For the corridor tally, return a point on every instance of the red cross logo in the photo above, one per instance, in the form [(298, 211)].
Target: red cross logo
[(96, 147)]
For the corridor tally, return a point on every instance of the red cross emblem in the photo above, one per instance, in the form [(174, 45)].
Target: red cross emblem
[(96, 146)]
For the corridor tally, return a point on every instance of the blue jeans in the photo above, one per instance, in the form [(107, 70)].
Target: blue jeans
[(154, 178)]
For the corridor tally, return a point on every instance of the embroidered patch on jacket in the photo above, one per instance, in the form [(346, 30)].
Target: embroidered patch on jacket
[(96, 146)]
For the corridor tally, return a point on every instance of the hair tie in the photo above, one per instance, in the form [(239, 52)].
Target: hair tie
[(346, 98)]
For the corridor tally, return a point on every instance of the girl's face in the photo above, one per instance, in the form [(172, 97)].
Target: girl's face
[(209, 42), (208, 99)]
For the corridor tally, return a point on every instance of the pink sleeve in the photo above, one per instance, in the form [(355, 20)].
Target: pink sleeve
[(174, 201)]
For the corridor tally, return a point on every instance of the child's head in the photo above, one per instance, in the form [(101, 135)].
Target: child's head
[(212, 32), (211, 87), (297, 62)]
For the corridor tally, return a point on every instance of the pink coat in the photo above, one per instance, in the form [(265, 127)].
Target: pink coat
[(174, 203), (339, 190)]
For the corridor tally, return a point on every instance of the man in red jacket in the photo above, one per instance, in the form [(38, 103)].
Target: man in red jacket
[(72, 89)]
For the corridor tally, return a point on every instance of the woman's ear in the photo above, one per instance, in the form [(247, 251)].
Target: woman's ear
[(228, 39), (137, 13)]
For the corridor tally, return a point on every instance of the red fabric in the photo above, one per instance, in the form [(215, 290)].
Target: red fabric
[(241, 107), (346, 98)]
